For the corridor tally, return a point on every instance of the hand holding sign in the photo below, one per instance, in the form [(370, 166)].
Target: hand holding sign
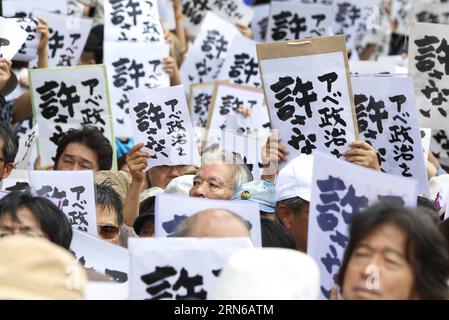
[(136, 161), (42, 29), (273, 153), (363, 154)]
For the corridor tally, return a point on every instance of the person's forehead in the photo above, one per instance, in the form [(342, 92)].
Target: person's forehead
[(80, 151), (106, 214), (385, 237), (217, 170)]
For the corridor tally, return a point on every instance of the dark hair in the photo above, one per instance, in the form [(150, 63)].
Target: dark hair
[(295, 203), (92, 138), (106, 196), (94, 43), (426, 248), (427, 206), (11, 143), (53, 222), (274, 235)]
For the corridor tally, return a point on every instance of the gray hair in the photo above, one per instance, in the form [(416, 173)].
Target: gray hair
[(242, 174), (11, 144)]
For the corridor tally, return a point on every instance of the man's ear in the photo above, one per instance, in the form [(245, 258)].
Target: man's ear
[(285, 214), (8, 168)]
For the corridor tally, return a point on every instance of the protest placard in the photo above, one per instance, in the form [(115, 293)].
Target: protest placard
[(76, 191), (308, 93), (160, 119), (167, 217), (339, 191), (178, 268)]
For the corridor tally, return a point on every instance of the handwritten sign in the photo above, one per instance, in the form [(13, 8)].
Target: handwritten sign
[(168, 217), (429, 68), (339, 191), (76, 191), (295, 20), (309, 95), (178, 268), (65, 98), (143, 71), (101, 256), (162, 121), (132, 20), (388, 120), (206, 56)]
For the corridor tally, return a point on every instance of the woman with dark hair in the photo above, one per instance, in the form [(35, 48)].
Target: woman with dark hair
[(20, 212), (394, 253)]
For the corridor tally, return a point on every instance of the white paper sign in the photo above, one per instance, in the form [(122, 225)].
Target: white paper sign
[(65, 98), (241, 65), (136, 20), (76, 191), (231, 97), (200, 100), (161, 120), (371, 67), (143, 70), (12, 36), (353, 18), (388, 120), (178, 268), (431, 12), (101, 256), (401, 11), (429, 68), (439, 145), (249, 148), (230, 10), (100, 290), (206, 56), (340, 190), (27, 142), (23, 8), (308, 100), (28, 51), (291, 20), (426, 135), (259, 23), (167, 216), (18, 180), (68, 36)]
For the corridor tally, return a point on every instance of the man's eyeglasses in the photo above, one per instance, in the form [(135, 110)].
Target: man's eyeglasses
[(108, 232)]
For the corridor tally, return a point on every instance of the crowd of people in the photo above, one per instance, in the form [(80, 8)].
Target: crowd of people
[(408, 248)]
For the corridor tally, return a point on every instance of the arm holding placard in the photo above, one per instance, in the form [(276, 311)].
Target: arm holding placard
[(180, 31), (22, 106), (136, 161)]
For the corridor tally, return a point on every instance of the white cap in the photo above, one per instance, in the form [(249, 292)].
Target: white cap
[(180, 185), (295, 179), (149, 193), (268, 274)]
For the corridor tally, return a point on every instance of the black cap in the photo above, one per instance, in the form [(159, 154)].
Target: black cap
[(146, 211)]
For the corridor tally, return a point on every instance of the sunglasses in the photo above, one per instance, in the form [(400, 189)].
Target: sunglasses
[(108, 232)]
